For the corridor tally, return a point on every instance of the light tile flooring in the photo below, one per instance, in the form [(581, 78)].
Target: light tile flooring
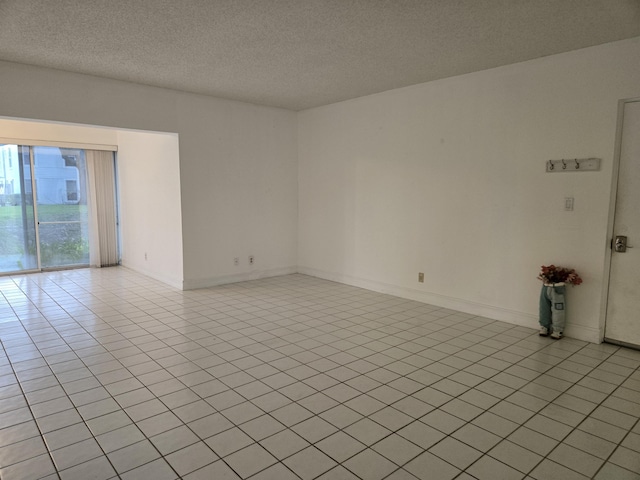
[(109, 374)]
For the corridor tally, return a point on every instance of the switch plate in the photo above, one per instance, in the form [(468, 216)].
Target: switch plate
[(568, 204)]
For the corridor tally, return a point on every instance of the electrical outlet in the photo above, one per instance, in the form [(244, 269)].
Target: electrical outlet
[(421, 277), (145, 255), (251, 259), (236, 261)]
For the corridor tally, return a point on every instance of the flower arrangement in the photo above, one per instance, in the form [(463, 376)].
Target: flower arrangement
[(553, 274)]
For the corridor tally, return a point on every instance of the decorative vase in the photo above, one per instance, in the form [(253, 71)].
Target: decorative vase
[(552, 309)]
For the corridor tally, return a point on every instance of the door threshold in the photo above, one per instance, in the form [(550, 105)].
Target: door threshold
[(43, 270), (18, 272), (64, 267), (621, 344)]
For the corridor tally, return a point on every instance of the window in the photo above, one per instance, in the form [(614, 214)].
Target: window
[(70, 161), (72, 191)]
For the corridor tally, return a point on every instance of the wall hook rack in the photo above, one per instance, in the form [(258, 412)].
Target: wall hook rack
[(574, 165)]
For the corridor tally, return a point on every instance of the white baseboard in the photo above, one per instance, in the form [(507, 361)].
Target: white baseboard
[(584, 332), (176, 283), (193, 284), (514, 317)]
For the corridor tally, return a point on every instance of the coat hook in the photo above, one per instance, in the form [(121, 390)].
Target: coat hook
[(564, 164), (551, 165), (577, 164)]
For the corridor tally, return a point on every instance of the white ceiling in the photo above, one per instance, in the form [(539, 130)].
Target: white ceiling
[(298, 54)]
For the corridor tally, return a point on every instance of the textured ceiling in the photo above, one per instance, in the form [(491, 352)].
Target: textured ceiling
[(298, 54)]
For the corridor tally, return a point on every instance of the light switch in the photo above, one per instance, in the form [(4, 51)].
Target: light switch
[(568, 204)]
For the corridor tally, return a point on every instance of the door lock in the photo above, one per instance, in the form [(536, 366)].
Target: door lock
[(620, 244)]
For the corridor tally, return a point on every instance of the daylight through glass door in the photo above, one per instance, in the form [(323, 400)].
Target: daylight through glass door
[(61, 207), (18, 238), (52, 231)]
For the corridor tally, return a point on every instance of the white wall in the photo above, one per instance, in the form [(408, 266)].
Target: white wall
[(448, 178), (238, 163), (150, 213), (239, 181)]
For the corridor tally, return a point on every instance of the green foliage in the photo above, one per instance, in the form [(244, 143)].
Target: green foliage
[(46, 213), (60, 244), (67, 252)]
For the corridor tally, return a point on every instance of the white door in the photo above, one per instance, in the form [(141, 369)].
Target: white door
[(623, 306)]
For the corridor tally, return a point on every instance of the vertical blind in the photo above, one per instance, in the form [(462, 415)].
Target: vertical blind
[(103, 238)]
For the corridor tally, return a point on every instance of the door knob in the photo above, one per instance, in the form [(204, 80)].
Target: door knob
[(620, 244)]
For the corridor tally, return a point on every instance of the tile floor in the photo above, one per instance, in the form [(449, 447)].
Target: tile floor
[(109, 374)]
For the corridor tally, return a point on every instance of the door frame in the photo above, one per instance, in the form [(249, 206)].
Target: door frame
[(615, 176)]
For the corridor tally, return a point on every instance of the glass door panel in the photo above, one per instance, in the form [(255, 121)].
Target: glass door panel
[(18, 244), (60, 175)]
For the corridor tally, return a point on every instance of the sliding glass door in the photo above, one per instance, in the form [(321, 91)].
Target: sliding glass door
[(61, 195), (18, 237), (52, 231)]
